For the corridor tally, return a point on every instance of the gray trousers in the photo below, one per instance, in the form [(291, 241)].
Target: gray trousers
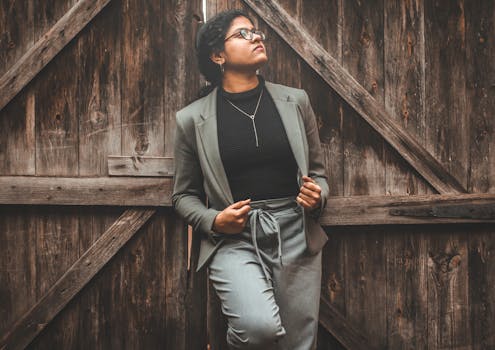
[(269, 286)]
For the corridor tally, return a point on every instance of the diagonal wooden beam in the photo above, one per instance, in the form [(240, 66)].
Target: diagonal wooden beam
[(355, 95), (74, 279), (337, 325), (45, 49)]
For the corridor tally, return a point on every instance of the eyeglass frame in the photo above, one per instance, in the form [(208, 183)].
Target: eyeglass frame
[(253, 32)]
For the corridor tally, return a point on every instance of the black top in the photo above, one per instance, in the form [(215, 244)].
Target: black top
[(263, 172)]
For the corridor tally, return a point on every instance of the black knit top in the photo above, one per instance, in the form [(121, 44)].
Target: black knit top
[(263, 172)]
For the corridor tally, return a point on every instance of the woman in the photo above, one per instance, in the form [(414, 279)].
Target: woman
[(251, 148)]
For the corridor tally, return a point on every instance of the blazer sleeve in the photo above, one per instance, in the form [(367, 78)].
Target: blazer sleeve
[(316, 163), (188, 196)]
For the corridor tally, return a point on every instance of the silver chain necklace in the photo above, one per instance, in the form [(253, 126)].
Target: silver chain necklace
[(250, 116)]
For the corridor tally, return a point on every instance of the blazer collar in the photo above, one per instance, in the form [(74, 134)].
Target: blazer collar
[(207, 127)]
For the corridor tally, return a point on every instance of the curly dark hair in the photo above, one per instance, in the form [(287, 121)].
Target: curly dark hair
[(210, 39)]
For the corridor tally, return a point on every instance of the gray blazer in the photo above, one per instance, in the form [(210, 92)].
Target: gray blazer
[(200, 175)]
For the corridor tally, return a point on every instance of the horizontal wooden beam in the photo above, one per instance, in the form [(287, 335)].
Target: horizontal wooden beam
[(355, 95), (140, 166), (47, 47), (340, 211), (386, 210), (74, 279), (85, 191), (337, 325)]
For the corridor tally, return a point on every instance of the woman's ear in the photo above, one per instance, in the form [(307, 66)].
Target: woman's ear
[(217, 58)]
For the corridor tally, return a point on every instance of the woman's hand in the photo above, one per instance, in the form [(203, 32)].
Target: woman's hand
[(310, 194), (233, 218)]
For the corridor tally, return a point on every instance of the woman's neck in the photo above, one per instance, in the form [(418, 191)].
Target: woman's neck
[(235, 82)]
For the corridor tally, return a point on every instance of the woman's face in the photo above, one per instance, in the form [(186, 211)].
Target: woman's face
[(241, 54)]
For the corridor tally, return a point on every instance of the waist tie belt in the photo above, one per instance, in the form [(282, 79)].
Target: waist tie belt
[(269, 225)]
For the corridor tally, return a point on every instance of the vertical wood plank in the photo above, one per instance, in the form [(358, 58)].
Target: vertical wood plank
[(407, 278), (57, 247), (17, 135), (365, 289), (56, 95), (97, 321), (406, 249), (481, 294), (98, 91), (405, 87), (448, 299), (16, 32), (480, 50), (447, 138), (447, 121), (364, 169), (17, 263), (142, 83), (364, 172)]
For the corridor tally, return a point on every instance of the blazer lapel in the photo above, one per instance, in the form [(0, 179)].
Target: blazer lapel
[(207, 130), (287, 108)]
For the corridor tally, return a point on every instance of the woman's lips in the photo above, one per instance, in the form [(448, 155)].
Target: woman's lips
[(259, 47)]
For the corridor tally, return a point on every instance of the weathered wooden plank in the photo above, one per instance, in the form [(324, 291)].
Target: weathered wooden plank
[(98, 91), (140, 166), (480, 96), (195, 299), (364, 170), (142, 77), (363, 148), (407, 276), (56, 250), (365, 276), (17, 136), (57, 133), (480, 100), (38, 56), (17, 263), (342, 329), (375, 210), (16, 33), (481, 292), (85, 191), (75, 278), (447, 292), (406, 247), (356, 95), (404, 50), (447, 138)]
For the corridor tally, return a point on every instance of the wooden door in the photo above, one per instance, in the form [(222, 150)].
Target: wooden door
[(404, 97), (92, 255)]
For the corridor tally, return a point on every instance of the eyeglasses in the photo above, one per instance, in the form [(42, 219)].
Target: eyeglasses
[(247, 34)]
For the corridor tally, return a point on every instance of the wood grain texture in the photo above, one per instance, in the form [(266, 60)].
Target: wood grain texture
[(85, 191), (379, 210), (480, 100), (15, 39), (98, 91), (142, 78), (140, 166), (480, 93), (17, 136), (341, 328), (404, 65), (52, 301), (356, 95), (447, 138), (43, 51)]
